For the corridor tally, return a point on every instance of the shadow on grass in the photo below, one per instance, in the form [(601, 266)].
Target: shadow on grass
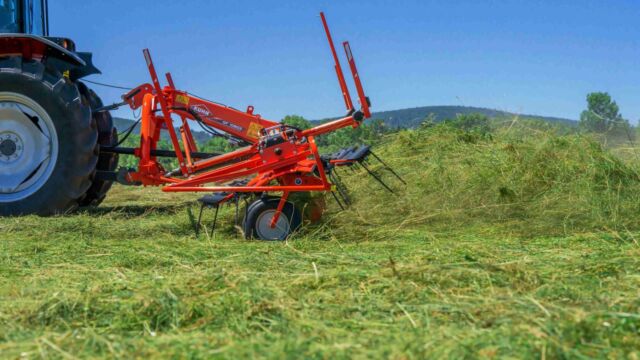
[(135, 210)]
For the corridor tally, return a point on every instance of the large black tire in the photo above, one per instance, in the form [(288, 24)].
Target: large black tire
[(260, 213), (75, 130), (107, 136)]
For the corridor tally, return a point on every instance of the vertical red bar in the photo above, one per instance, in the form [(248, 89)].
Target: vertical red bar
[(343, 85), (165, 111), (364, 102), (276, 216), (185, 143), (191, 145), (170, 80)]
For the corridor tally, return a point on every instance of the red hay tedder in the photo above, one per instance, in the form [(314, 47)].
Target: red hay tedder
[(275, 159)]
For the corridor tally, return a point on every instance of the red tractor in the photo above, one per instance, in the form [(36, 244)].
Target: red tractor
[(50, 138)]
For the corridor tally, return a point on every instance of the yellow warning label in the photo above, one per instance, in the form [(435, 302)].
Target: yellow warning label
[(254, 130), (66, 74), (182, 99)]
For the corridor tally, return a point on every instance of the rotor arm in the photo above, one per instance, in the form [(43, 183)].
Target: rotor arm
[(242, 125)]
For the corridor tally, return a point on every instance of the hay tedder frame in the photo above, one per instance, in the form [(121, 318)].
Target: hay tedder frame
[(275, 158)]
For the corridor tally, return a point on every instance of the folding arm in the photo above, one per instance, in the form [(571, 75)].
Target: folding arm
[(165, 111), (185, 130), (364, 100), (343, 85)]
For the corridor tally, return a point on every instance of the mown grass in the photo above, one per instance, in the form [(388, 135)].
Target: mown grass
[(516, 244)]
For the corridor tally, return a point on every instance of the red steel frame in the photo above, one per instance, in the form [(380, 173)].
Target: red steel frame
[(277, 159)]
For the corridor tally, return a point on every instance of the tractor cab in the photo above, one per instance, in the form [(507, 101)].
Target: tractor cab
[(24, 17)]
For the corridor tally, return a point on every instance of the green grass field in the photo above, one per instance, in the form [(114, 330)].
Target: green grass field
[(521, 244)]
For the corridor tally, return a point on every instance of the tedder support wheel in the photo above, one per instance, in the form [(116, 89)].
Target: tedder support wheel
[(107, 136), (48, 140), (257, 224)]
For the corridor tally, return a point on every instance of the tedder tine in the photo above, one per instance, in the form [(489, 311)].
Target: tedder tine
[(378, 179), (342, 190), (199, 219), (335, 173), (237, 210), (215, 219), (337, 200), (388, 168)]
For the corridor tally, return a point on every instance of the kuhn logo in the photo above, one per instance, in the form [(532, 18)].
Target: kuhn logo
[(200, 110)]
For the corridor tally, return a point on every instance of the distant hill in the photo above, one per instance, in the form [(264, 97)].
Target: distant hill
[(412, 117)]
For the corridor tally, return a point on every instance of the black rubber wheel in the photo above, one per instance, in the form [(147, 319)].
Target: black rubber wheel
[(66, 140), (259, 214), (107, 136)]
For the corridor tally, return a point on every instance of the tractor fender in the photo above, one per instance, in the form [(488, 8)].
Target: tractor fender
[(77, 64)]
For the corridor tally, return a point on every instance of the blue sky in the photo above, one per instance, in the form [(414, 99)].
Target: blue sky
[(538, 57)]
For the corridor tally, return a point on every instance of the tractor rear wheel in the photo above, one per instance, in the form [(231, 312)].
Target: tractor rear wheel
[(107, 136), (48, 140)]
